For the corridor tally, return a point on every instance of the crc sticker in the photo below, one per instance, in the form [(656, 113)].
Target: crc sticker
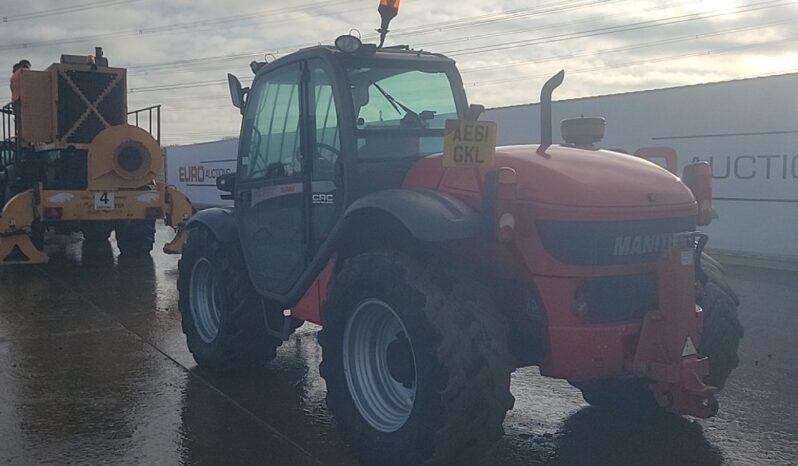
[(469, 143), (323, 198)]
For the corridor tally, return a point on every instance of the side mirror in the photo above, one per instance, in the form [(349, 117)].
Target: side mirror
[(427, 115), (226, 183), (698, 177), (236, 92)]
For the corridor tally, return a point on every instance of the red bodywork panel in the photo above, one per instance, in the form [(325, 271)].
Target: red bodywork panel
[(309, 307), (581, 185), (570, 178)]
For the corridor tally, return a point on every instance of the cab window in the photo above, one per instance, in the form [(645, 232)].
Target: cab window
[(270, 142), (400, 110)]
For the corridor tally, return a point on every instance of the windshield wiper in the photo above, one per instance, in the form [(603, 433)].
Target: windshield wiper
[(394, 103)]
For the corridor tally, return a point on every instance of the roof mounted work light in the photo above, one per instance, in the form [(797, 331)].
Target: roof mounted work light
[(348, 43)]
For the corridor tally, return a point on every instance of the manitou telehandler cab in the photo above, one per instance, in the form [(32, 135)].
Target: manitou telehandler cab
[(69, 161), (369, 199)]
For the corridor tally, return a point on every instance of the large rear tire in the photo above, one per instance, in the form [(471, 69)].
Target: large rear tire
[(415, 359), (135, 237), (221, 316), (720, 341)]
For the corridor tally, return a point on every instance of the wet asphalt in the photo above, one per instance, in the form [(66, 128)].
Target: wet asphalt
[(94, 370)]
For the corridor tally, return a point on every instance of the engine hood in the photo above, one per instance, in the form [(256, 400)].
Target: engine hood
[(591, 178)]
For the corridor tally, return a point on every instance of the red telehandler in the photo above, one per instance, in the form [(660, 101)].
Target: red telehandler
[(371, 200)]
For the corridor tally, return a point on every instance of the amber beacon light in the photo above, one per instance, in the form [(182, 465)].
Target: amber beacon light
[(388, 10)]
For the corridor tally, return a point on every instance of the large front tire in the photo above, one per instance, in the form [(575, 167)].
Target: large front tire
[(722, 332), (415, 360), (221, 317)]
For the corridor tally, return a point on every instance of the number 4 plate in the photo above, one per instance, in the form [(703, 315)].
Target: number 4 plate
[(104, 200)]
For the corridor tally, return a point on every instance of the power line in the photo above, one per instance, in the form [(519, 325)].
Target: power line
[(571, 72), (63, 10), (508, 15), (639, 62), (616, 29), (173, 86), (505, 32), (592, 53), (586, 70), (182, 26), (516, 77), (472, 21), (541, 40), (536, 41)]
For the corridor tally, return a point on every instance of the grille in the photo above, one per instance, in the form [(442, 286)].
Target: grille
[(103, 91), (626, 297), (610, 243)]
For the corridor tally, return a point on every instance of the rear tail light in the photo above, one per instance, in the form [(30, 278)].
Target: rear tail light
[(53, 213), (698, 177)]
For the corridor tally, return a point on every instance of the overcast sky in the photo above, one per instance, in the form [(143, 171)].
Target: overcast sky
[(179, 51)]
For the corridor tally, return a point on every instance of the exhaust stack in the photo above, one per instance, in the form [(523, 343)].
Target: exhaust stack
[(545, 110)]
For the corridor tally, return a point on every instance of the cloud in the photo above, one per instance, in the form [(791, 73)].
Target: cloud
[(506, 48)]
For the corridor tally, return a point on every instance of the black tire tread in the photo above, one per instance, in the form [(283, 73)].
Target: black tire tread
[(242, 341), (722, 333), (717, 275), (471, 340)]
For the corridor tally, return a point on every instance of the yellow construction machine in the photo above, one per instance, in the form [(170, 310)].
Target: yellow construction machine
[(69, 161)]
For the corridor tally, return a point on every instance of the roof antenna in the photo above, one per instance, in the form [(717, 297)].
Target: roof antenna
[(545, 111), (388, 10)]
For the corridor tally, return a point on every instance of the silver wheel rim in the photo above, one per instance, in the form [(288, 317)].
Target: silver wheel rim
[(205, 305), (373, 336)]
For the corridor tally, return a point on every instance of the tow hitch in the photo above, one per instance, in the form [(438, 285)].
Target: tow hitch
[(667, 353)]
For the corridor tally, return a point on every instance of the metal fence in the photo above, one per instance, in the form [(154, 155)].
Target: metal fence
[(148, 118)]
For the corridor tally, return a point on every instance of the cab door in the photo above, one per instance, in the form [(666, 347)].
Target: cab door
[(270, 194), (327, 200)]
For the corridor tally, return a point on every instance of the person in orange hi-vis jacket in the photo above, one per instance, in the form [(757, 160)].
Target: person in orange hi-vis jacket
[(15, 78), (15, 91)]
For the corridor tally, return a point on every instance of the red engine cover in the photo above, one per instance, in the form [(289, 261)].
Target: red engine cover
[(567, 176)]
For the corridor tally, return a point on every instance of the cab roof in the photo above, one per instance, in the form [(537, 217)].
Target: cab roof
[(397, 52)]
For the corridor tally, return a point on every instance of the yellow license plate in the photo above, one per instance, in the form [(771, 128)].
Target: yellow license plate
[(469, 143)]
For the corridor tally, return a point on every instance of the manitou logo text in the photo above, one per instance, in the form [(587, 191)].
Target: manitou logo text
[(642, 244)]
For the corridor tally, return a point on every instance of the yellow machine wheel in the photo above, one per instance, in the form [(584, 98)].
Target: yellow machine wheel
[(135, 237)]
